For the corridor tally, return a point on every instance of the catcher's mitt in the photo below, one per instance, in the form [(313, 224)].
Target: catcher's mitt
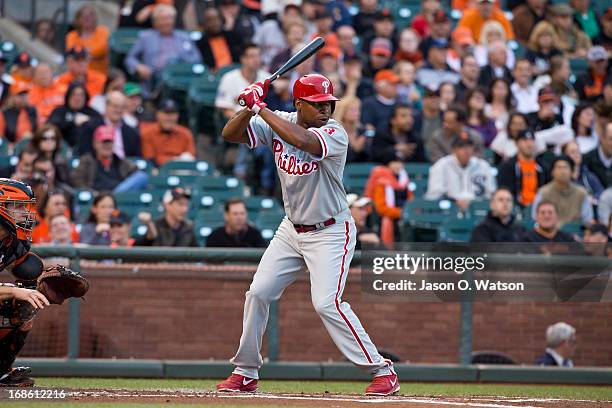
[(59, 283)]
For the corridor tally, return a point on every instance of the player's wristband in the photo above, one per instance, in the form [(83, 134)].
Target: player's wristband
[(258, 106)]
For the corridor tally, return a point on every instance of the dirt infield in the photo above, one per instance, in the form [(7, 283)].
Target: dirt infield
[(317, 400)]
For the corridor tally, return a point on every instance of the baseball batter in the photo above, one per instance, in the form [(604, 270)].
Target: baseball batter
[(318, 231)]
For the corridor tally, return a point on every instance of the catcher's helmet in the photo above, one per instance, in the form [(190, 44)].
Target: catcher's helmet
[(314, 88), (17, 208)]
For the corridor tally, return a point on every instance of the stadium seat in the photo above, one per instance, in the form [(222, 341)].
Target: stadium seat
[(579, 66), (356, 176), (201, 104), (221, 186), (164, 181), (176, 80), (178, 167), (573, 228), (418, 187), (135, 201), (9, 51), (120, 42), (491, 357), (479, 209), (142, 164), (255, 204), (458, 230), (423, 217), (268, 223), (4, 147), (6, 161), (206, 222), (418, 171)]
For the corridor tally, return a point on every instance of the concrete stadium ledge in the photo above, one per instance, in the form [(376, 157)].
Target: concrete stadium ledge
[(56, 367)]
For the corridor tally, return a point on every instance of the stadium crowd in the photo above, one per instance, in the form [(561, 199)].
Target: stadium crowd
[(507, 101)]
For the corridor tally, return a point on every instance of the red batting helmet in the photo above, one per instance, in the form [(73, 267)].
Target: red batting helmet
[(314, 88)]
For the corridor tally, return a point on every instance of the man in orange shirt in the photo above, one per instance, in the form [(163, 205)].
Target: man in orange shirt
[(22, 71), (485, 10), (167, 140), (46, 94), (77, 61)]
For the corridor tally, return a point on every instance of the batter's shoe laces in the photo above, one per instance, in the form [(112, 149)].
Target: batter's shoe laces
[(17, 377), (384, 385), (238, 383)]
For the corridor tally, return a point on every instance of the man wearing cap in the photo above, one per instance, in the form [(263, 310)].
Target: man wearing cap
[(237, 232), (217, 46), (104, 170), (569, 38), (380, 57), (500, 224), (363, 22), (120, 225), (462, 45), (167, 140), (440, 143), (440, 29), (127, 138), (590, 84), (46, 94), (134, 109), (172, 229), (158, 47), (548, 114), (523, 174), (22, 71), (475, 18), (360, 209), (19, 119), (384, 27), (460, 176), (436, 70), (421, 22), (572, 201), (77, 62), (526, 16), (376, 109)]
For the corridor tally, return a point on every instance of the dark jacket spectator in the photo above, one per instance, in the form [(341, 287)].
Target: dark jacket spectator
[(500, 224), (560, 346), (18, 120), (236, 233), (377, 109), (218, 47), (547, 225), (526, 16), (590, 84), (399, 138), (599, 160)]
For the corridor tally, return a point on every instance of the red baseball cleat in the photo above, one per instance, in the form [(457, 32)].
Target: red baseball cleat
[(384, 385), (238, 383)]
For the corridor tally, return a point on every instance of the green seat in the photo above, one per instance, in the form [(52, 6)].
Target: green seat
[(479, 209), (120, 43), (418, 187), (210, 184), (573, 228), (205, 201), (206, 222), (422, 218), (418, 171), (255, 204), (133, 202), (268, 222), (173, 180), (178, 167), (176, 80), (356, 176), (10, 52), (201, 104), (143, 165), (457, 230), (6, 161), (579, 66), (4, 147)]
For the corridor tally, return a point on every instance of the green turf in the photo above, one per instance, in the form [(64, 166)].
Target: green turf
[(342, 387)]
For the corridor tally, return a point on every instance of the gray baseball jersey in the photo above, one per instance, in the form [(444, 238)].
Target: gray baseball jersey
[(306, 179)]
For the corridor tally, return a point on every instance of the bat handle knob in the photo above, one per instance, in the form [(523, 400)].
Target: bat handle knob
[(241, 102)]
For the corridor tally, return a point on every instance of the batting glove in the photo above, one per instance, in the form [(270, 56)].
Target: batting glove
[(250, 98)]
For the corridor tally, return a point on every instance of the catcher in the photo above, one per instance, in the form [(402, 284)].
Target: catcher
[(34, 288)]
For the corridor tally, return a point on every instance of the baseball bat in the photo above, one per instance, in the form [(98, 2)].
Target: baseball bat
[(302, 55)]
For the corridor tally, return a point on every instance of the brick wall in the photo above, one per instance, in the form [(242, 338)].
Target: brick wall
[(193, 312)]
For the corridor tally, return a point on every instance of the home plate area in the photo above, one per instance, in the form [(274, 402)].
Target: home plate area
[(186, 396)]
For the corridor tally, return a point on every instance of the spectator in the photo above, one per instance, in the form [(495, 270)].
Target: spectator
[(46, 94), (172, 229), (53, 204), (421, 22), (605, 35), (572, 201), (546, 228), (347, 40), (4, 80), (104, 170), (96, 230), (363, 21), (500, 225), (380, 57), (431, 120), (499, 103), (384, 27), (590, 84), (399, 137), (134, 110), (22, 72), (504, 144), (236, 233), (475, 18), (166, 140), (470, 72), (547, 122), (525, 18), (217, 46), (524, 92), (542, 47), (44, 31), (24, 167), (560, 346), (295, 33), (269, 35), (360, 208), (158, 47), (440, 30), (120, 226), (604, 207), (376, 110), (91, 36), (461, 47), (77, 62), (387, 186), (447, 95), (586, 17), (45, 172), (523, 174), (234, 81), (348, 112), (560, 74), (407, 90), (19, 119), (581, 175), (115, 81), (47, 143), (127, 139), (440, 143), (603, 112), (595, 235), (436, 70), (476, 118), (75, 111), (236, 19), (569, 38), (492, 32), (329, 64), (496, 67), (460, 176), (60, 231), (599, 160), (408, 47), (583, 125)]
